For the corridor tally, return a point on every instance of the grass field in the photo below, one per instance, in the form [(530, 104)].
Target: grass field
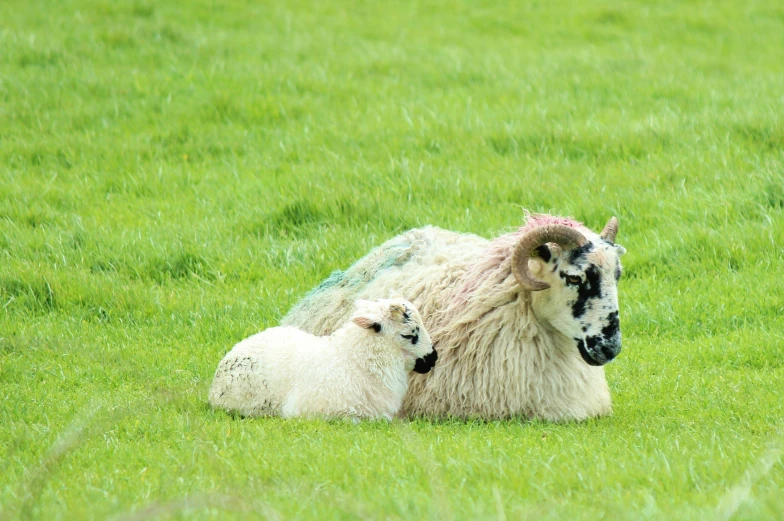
[(174, 177)]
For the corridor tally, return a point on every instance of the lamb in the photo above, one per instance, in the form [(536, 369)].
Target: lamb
[(358, 372), (523, 323)]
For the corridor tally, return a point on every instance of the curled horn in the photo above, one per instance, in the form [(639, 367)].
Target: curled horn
[(610, 230), (562, 235)]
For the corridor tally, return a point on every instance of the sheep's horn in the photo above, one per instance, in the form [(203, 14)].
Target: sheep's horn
[(564, 236), (610, 230)]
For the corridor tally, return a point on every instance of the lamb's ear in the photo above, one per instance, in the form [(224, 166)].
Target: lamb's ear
[(367, 322), (397, 311)]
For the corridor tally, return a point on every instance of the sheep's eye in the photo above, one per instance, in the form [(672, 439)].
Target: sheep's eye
[(573, 280)]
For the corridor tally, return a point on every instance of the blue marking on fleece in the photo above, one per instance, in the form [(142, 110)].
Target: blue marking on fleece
[(389, 255)]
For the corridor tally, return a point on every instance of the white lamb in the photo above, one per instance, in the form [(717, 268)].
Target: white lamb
[(358, 372)]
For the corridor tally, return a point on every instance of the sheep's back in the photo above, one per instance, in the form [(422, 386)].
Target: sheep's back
[(420, 264)]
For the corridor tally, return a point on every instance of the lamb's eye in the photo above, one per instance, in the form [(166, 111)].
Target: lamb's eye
[(573, 280), (413, 338)]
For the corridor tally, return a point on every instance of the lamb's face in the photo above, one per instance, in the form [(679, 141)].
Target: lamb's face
[(398, 320), (582, 301)]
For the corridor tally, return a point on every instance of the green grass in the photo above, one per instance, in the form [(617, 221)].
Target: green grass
[(174, 177)]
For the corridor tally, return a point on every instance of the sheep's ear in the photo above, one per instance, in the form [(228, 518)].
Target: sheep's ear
[(545, 252), (367, 323), (620, 249)]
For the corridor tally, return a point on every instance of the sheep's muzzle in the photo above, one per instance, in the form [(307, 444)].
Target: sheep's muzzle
[(597, 350)]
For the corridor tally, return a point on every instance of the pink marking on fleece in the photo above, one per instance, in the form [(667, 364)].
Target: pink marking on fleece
[(494, 266), (538, 219)]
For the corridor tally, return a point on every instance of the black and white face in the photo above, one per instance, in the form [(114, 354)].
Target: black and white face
[(399, 321), (582, 301)]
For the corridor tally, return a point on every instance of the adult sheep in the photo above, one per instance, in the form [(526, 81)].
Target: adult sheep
[(523, 323)]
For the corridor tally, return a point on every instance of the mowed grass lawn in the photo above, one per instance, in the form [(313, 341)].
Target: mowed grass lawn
[(174, 176)]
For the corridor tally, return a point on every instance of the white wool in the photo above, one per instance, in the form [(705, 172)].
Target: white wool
[(354, 373)]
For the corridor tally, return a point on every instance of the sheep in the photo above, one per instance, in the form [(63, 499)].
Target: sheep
[(523, 323), (358, 372)]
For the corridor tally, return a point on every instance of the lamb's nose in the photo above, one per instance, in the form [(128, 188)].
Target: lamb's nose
[(425, 364)]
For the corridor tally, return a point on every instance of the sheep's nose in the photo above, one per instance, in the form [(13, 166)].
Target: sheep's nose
[(425, 364), (597, 350), (612, 347)]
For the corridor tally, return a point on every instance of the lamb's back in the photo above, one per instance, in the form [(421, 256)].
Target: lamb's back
[(255, 377), (420, 264)]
